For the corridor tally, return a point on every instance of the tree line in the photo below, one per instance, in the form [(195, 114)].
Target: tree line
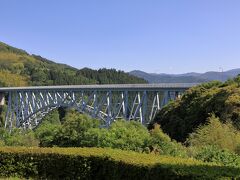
[(17, 67)]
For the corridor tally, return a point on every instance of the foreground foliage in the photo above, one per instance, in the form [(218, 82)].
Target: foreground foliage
[(97, 163), (215, 133), (78, 130), (18, 137), (214, 154), (161, 143)]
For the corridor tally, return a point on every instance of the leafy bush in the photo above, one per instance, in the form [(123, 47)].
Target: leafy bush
[(46, 134), (18, 137), (2, 143), (48, 129), (97, 163), (161, 143), (216, 155), (72, 131), (128, 135), (222, 135), (80, 130)]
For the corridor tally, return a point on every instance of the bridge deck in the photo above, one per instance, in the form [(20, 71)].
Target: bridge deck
[(105, 87)]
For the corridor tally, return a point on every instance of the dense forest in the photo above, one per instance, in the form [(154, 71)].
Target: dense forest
[(18, 68)]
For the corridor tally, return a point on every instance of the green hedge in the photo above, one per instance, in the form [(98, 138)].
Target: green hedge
[(98, 163)]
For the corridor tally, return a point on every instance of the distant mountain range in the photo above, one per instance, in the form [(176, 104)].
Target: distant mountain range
[(191, 77)]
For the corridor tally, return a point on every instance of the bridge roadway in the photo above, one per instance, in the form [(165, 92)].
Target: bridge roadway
[(118, 87), (27, 106)]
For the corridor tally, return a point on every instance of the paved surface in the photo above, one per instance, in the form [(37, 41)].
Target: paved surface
[(105, 87)]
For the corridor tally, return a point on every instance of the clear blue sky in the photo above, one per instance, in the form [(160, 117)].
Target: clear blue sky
[(171, 36)]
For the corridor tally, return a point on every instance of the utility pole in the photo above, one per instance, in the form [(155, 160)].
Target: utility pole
[(221, 72)]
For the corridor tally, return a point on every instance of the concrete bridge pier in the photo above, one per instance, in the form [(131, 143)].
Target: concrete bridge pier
[(2, 99)]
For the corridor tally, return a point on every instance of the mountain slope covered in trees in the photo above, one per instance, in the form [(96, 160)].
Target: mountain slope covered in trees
[(18, 68), (183, 116)]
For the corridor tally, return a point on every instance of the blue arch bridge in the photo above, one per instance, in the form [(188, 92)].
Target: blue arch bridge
[(26, 106)]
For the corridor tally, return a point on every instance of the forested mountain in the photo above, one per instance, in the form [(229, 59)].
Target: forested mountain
[(18, 68), (187, 77)]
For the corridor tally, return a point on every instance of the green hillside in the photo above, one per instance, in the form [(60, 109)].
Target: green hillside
[(18, 68), (183, 116)]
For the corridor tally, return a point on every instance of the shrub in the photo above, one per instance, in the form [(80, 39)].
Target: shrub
[(128, 135), (2, 143), (216, 155), (222, 135), (18, 137), (71, 133), (46, 134), (97, 163), (162, 143), (81, 131)]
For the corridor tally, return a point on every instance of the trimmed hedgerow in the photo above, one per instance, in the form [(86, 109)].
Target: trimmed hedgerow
[(99, 163)]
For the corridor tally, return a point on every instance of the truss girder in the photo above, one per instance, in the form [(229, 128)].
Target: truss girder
[(26, 108)]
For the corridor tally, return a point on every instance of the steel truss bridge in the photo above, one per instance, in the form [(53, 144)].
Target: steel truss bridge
[(26, 106)]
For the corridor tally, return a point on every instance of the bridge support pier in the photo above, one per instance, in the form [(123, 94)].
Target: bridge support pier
[(2, 99)]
